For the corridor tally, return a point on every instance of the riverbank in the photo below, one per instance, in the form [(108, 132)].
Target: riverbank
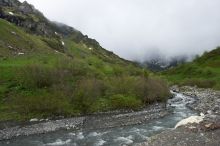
[(96, 121), (206, 132)]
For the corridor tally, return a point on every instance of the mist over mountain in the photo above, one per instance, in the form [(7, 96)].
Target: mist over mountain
[(136, 30), (159, 62)]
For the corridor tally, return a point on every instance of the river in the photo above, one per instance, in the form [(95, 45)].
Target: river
[(128, 135)]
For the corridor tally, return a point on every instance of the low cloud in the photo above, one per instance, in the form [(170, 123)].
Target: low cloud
[(137, 29)]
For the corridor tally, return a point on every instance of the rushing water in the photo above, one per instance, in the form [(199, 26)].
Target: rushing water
[(111, 136)]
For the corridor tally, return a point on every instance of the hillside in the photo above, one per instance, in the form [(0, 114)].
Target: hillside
[(48, 69), (204, 71)]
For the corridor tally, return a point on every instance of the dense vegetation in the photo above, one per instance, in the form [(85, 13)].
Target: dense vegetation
[(203, 72), (41, 77)]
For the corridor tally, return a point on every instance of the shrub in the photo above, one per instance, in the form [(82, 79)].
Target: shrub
[(124, 102), (87, 92), (101, 104), (73, 67), (41, 76), (200, 83), (151, 90), (47, 104), (147, 89), (120, 85), (208, 73), (35, 76)]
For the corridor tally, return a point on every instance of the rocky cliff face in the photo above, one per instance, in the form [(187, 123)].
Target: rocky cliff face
[(9, 3), (27, 16)]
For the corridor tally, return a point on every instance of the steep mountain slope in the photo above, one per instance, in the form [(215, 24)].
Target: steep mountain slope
[(48, 69), (204, 71)]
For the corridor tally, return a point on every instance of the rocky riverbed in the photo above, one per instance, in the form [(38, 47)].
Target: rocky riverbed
[(204, 133), (96, 121)]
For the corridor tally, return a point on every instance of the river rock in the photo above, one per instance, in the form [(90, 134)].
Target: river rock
[(34, 120)]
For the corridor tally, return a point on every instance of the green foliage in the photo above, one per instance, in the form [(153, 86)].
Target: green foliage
[(203, 72), (120, 101), (45, 104), (146, 74), (56, 44), (50, 79), (87, 92), (36, 76), (147, 90), (200, 83)]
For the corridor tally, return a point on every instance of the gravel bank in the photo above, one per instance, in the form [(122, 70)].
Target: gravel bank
[(132, 118), (97, 121), (41, 128)]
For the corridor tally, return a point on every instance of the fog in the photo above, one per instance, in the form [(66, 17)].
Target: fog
[(138, 29)]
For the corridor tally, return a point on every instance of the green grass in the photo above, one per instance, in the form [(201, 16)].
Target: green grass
[(203, 72), (51, 80)]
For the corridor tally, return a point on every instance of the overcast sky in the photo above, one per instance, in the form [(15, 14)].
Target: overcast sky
[(136, 29)]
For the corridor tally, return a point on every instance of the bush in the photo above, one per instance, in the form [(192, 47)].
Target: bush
[(87, 92), (147, 89), (47, 104), (124, 102), (100, 105), (84, 93), (158, 90), (200, 83), (35, 76), (151, 90), (120, 85), (41, 76)]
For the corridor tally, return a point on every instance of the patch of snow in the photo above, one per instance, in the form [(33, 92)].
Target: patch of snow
[(164, 66), (191, 119), (62, 43), (10, 47), (10, 13), (59, 142), (90, 49), (34, 120), (56, 33), (20, 53), (13, 32)]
